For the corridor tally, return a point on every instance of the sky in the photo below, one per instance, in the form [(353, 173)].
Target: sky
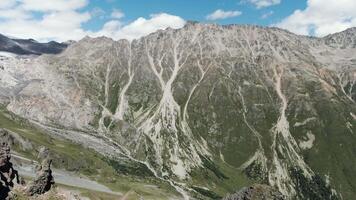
[(63, 20)]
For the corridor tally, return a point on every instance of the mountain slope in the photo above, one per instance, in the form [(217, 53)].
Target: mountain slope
[(30, 46), (206, 108)]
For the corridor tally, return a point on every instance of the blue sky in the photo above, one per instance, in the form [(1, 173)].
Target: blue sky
[(63, 20), (195, 10)]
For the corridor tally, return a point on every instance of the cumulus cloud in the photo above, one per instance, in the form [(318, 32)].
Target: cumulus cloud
[(59, 20), (264, 3), (140, 27), (221, 14), (63, 20), (321, 17)]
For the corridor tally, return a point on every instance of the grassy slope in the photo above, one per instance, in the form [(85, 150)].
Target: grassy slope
[(74, 157)]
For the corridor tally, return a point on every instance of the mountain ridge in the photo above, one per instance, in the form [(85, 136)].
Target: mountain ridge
[(29, 46), (230, 104)]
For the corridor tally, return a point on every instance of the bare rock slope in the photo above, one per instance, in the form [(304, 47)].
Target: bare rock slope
[(199, 105)]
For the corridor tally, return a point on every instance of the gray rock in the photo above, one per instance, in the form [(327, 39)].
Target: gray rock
[(7, 172), (43, 181), (256, 192)]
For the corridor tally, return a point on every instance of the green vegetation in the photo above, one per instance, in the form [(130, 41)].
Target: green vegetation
[(74, 157), (206, 193), (234, 180), (314, 189), (212, 167), (127, 168)]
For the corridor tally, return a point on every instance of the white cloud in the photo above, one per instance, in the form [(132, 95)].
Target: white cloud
[(109, 29), (267, 15), (7, 3), (60, 27), (140, 27), (97, 12), (321, 17), (63, 20), (14, 14), (57, 5), (117, 14), (60, 20), (221, 14), (264, 3)]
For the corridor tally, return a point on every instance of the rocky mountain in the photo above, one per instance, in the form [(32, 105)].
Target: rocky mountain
[(205, 109), (29, 46)]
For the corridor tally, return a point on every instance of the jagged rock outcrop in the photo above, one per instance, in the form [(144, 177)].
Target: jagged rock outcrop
[(43, 181), (256, 192), (7, 172)]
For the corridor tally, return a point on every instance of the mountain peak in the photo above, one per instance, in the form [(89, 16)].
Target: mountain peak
[(344, 39), (29, 46)]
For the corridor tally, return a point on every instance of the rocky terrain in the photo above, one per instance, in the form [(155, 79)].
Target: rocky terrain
[(42, 183), (205, 110), (7, 172), (256, 192)]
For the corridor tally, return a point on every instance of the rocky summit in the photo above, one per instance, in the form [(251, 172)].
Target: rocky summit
[(206, 109)]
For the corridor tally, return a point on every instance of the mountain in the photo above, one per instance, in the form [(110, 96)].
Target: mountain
[(205, 110), (30, 46)]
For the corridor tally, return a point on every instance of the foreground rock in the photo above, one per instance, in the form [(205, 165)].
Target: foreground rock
[(44, 180), (256, 192), (7, 172)]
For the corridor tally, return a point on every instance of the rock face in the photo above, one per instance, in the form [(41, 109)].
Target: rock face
[(7, 172), (204, 101), (43, 181), (256, 192)]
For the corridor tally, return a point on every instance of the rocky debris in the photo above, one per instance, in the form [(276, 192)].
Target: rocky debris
[(7, 172), (12, 138), (6, 137), (256, 192), (43, 181), (43, 153)]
